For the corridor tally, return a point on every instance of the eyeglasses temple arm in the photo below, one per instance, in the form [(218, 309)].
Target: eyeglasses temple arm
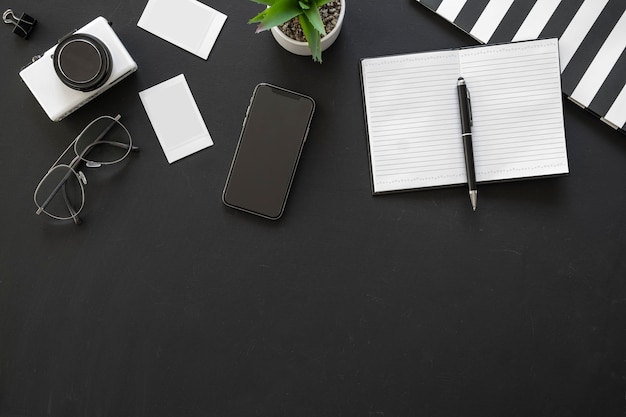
[(98, 139), (55, 190), (113, 143), (69, 207)]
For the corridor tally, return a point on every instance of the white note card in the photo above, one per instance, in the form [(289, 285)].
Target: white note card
[(188, 24), (175, 118)]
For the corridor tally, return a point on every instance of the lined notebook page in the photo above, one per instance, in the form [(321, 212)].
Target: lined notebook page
[(413, 121), (517, 107)]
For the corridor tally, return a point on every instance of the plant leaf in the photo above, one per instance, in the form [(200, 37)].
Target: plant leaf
[(279, 13), (313, 16), (312, 37), (266, 2)]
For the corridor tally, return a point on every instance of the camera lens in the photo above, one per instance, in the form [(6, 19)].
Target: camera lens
[(82, 62)]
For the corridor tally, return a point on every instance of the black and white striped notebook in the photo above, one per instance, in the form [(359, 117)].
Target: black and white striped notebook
[(592, 42)]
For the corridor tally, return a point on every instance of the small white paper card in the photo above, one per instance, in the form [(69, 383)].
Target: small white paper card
[(175, 118), (188, 24)]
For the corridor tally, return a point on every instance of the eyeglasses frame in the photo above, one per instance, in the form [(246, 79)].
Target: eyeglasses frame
[(81, 157)]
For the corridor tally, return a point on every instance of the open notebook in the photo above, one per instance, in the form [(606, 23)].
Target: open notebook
[(592, 40), (413, 121)]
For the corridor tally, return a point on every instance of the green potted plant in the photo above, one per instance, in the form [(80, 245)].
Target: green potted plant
[(317, 34)]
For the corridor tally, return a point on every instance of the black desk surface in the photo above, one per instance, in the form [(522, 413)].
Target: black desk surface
[(167, 303)]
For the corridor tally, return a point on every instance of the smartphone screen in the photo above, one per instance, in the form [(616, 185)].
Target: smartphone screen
[(272, 138)]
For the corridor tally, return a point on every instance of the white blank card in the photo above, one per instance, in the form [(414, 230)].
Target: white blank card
[(175, 118), (188, 24)]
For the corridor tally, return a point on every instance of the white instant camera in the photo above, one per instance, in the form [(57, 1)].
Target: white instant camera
[(80, 67)]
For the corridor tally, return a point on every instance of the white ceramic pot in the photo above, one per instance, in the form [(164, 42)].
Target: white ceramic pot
[(302, 48)]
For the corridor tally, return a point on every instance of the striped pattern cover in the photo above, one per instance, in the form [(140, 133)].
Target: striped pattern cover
[(592, 42)]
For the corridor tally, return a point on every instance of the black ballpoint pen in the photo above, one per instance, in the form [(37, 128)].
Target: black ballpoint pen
[(466, 134)]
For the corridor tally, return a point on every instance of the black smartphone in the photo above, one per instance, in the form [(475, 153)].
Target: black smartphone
[(274, 131)]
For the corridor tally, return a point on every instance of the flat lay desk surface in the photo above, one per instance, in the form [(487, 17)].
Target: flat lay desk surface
[(164, 302)]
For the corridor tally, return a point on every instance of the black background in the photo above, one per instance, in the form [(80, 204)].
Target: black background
[(167, 303)]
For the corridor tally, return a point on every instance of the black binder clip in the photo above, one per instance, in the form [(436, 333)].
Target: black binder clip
[(22, 25)]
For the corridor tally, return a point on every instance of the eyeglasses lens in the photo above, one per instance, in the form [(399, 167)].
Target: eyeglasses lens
[(104, 141), (60, 194)]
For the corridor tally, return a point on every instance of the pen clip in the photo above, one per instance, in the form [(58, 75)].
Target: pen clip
[(469, 106)]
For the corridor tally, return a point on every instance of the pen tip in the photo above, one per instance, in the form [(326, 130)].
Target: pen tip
[(473, 198)]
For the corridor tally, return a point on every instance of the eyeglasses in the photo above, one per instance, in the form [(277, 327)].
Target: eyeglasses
[(60, 193)]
